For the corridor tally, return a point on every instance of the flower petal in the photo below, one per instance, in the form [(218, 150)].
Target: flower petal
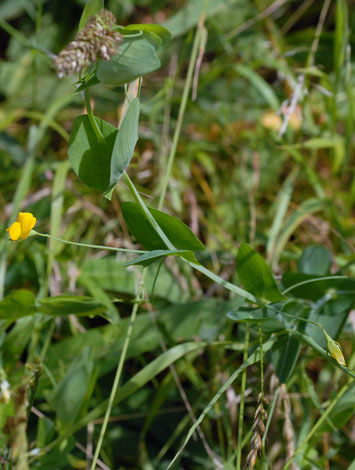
[(14, 231), (27, 222)]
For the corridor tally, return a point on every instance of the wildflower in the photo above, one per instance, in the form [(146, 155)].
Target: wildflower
[(98, 40), (22, 227), (334, 350)]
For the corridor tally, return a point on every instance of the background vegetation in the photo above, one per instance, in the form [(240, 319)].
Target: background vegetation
[(265, 156)]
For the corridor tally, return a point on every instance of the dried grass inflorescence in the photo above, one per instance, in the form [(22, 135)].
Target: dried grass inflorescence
[(258, 432), (96, 41)]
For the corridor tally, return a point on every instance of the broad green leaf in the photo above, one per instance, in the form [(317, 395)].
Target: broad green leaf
[(256, 276), (17, 304), (250, 315), (315, 260), (284, 356), (71, 304), (178, 233), (92, 7), (153, 39), (95, 290), (155, 255), (136, 57), (163, 33), (89, 156), (125, 142), (267, 317)]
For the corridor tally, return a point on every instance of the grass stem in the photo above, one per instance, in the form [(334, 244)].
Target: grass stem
[(242, 399)]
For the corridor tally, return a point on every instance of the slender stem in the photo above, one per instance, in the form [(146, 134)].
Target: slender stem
[(309, 281), (147, 213), (170, 246), (261, 361), (91, 116), (270, 415), (87, 245), (305, 320), (261, 376), (242, 399), (227, 285), (140, 294), (180, 118)]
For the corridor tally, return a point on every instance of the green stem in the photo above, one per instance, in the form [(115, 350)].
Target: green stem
[(87, 245), (170, 246), (147, 213), (91, 116), (180, 118), (242, 399), (306, 320), (309, 281), (140, 295), (227, 285), (270, 415), (261, 376), (151, 219)]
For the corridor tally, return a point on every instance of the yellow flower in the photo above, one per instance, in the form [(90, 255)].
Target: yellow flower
[(22, 227), (334, 349)]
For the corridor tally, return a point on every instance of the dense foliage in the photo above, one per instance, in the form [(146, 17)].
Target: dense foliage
[(184, 299)]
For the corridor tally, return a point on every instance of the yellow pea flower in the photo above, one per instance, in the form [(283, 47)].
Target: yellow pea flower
[(22, 227), (334, 349)]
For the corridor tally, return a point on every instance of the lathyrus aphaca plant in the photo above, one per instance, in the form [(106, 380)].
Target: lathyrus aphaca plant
[(309, 308)]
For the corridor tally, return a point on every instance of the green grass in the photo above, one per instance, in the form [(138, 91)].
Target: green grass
[(245, 135)]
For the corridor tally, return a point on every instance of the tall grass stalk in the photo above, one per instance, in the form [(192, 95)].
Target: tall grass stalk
[(184, 98), (137, 301), (242, 399)]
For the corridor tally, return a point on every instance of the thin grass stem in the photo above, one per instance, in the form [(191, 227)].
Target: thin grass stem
[(182, 108), (242, 398), (140, 295)]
